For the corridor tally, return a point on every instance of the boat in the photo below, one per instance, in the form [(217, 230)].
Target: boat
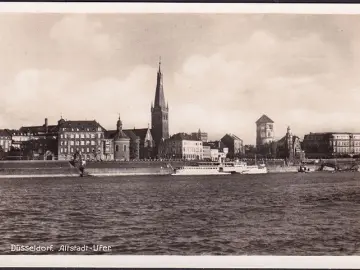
[(201, 168), (234, 166), (256, 169), (220, 168)]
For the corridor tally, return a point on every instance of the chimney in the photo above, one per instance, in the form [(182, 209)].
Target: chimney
[(46, 125)]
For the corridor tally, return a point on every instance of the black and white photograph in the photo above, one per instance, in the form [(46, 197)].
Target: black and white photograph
[(182, 134)]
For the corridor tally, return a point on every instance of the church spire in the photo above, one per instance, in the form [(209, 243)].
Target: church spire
[(159, 94)]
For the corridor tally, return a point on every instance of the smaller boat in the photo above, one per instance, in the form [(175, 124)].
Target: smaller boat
[(256, 169)]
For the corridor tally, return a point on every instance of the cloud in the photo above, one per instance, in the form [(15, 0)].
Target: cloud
[(76, 33)]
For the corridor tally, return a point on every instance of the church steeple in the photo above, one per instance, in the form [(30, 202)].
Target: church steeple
[(159, 94)]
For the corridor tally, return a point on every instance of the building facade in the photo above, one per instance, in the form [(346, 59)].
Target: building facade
[(264, 131), (201, 136), (5, 140), (331, 144), (181, 146), (289, 147), (159, 114), (234, 144), (87, 137), (206, 152), (146, 142)]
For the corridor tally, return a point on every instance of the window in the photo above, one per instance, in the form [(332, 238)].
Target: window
[(71, 142), (117, 148), (87, 150), (61, 143), (92, 135), (72, 136), (82, 143), (61, 150), (82, 136), (77, 143), (82, 150), (87, 135), (61, 136), (87, 142), (124, 148), (92, 142), (77, 136), (65, 142), (65, 150)]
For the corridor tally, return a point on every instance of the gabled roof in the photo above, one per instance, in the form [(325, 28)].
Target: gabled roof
[(264, 119), (232, 136)]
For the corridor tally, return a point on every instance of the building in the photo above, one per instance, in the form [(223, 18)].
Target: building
[(41, 132), (5, 140), (159, 114), (289, 147), (181, 146), (206, 152), (116, 144), (85, 136), (134, 144), (264, 131), (331, 144), (201, 136), (217, 150), (234, 144), (146, 142)]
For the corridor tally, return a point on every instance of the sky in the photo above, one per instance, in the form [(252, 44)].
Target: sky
[(221, 71)]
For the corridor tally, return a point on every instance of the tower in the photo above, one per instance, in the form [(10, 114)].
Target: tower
[(159, 113), (264, 131), (121, 143)]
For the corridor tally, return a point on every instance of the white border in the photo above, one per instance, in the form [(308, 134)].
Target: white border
[(296, 262), (209, 8), (348, 262)]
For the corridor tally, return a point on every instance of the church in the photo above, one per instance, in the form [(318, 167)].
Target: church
[(159, 115)]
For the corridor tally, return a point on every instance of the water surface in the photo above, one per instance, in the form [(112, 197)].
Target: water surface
[(274, 214)]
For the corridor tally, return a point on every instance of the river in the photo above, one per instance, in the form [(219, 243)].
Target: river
[(274, 214)]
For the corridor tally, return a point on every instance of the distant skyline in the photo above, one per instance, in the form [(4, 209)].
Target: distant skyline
[(221, 72)]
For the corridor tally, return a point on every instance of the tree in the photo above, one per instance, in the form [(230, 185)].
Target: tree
[(2, 153)]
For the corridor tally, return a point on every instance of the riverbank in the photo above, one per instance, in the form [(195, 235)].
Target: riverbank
[(46, 168)]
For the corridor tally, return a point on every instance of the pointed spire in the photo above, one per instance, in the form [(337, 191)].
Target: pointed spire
[(159, 93)]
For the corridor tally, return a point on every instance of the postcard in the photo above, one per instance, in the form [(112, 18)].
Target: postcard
[(179, 135)]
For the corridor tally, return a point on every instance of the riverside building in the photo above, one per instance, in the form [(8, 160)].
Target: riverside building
[(331, 144), (181, 146), (5, 140), (87, 137)]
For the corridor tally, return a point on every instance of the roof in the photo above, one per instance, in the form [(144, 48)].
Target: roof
[(82, 125), (140, 132), (232, 136), (184, 136), (38, 129), (114, 134), (131, 134), (264, 119), (4, 133), (215, 144)]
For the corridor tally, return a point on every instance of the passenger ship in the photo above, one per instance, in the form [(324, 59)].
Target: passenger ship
[(220, 168), (202, 168)]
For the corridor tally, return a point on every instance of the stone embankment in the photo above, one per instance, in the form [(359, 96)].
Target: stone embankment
[(36, 168)]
